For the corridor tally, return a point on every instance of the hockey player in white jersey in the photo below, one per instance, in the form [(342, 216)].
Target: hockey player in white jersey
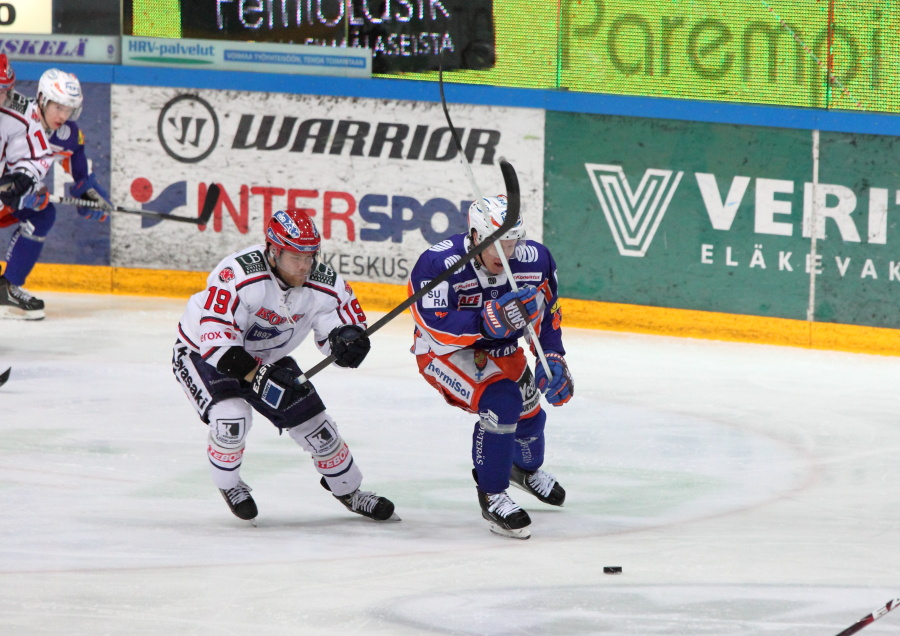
[(232, 354)]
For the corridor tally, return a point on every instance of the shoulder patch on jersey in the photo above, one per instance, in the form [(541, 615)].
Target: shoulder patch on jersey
[(252, 262), (323, 274), (226, 275), (450, 261), (63, 132), (443, 246), (526, 253), (17, 102)]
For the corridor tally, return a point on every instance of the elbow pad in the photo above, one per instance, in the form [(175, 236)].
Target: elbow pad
[(236, 363)]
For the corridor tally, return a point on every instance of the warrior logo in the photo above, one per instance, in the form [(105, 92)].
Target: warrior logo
[(633, 216)]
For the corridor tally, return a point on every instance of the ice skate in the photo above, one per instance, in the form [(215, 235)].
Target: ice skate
[(240, 501), (505, 516), (16, 303), (367, 504), (539, 483)]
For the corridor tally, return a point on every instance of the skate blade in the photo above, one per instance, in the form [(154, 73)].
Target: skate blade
[(521, 533), (9, 313)]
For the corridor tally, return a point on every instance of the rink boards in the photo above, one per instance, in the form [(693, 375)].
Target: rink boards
[(736, 230)]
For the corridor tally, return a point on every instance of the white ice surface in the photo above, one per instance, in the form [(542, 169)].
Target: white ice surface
[(743, 489)]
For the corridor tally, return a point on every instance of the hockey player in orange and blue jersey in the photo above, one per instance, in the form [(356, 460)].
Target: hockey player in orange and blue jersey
[(467, 346), (58, 105)]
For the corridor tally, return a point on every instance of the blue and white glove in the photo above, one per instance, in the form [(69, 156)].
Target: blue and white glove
[(508, 314), (89, 188), (560, 388), (36, 200)]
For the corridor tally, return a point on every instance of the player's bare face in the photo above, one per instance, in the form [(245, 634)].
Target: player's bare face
[(55, 115), (4, 95), (294, 268), (490, 258)]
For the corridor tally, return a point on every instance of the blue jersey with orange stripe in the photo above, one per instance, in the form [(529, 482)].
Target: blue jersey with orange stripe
[(67, 143), (449, 317)]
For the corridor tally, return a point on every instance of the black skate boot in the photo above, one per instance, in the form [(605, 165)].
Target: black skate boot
[(505, 516), (15, 302), (367, 504), (539, 483), (240, 501)]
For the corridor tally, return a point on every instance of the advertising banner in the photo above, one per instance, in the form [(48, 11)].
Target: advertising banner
[(719, 218), (381, 178), (247, 56), (403, 35), (836, 54), (26, 16), (98, 49)]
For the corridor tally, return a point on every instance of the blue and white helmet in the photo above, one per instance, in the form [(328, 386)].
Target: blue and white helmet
[(60, 87), (489, 216)]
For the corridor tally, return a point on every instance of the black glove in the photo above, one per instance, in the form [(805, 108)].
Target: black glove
[(13, 188), (349, 345), (275, 384)]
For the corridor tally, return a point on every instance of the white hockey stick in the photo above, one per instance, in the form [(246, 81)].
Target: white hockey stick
[(532, 334), (209, 205), (871, 618), (512, 216)]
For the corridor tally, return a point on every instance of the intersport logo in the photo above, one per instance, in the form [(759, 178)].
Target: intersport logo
[(633, 215)]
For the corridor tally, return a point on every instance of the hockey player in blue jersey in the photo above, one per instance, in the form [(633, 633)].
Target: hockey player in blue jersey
[(59, 101), (467, 347)]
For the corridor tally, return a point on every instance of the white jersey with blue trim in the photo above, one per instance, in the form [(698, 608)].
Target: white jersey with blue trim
[(245, 305)]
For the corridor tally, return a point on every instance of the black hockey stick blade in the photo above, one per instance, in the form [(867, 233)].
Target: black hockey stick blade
[(4, 376), (209, 205), (511, 218), (871, 618)]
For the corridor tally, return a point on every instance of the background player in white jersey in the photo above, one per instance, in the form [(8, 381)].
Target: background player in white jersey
[(58, 105), (466, 345), (232, 354)]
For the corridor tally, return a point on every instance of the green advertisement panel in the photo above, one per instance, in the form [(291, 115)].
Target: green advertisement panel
[(720, 217), (830, 54)]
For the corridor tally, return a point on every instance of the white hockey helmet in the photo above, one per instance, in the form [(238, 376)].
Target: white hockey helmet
[(60, 87), (486, 219)]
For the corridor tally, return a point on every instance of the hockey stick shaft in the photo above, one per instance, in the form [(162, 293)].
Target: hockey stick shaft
[(5, 376), (512, 216), (209, 203), (538, 350), (871, 618)]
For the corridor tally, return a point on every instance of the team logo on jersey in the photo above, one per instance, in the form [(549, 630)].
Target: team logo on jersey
[(633, 216), (267, 338), (226, 275), (252, 263), (480, 359)]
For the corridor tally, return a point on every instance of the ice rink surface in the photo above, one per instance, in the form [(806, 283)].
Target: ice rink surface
[(743, 489)]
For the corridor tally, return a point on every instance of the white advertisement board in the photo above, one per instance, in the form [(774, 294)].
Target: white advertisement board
[(381, 178), (257, 57), (26, 16)]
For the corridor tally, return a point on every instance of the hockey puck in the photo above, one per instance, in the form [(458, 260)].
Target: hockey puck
[(612, 569)]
